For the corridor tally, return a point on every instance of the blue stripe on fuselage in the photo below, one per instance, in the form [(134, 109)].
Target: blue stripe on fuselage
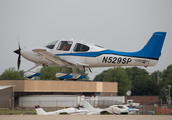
[(95, 54), (152, 50)]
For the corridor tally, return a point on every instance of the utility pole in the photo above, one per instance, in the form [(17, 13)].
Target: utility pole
[(169, 98), (157, 77)]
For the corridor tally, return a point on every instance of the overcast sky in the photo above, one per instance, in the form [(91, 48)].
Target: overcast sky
[(122, 25)]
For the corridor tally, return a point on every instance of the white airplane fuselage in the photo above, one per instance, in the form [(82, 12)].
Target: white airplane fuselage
[(95, 59), (70, 111), (79, 54)]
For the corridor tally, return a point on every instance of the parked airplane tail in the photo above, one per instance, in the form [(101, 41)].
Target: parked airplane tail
[(153, 48), (87, 106), (39, 110)]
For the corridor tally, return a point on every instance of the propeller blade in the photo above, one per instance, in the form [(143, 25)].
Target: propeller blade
[(19, 61), (19, 46), (19, 57)]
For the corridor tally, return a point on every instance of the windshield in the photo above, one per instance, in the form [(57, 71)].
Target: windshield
[(51, 45)]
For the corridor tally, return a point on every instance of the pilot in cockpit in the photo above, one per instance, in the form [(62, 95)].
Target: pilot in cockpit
[(64, 46)]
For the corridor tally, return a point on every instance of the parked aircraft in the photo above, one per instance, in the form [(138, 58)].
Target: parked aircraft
[(133, 111), (79, 54), (115, 109), (70, 111)]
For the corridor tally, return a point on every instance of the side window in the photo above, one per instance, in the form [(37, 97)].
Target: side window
[(81, 48), (64, 45)]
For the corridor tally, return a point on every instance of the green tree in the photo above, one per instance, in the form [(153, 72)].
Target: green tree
[(145, 87), (154, 76), (136, 73), (11, 74), (166, 73), (48, 73), (101, 76), (116, 74), (166, 80), (142, 83)]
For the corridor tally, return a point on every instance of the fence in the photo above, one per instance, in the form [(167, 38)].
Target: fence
[(66, 103), (56, 104), (27, 107)]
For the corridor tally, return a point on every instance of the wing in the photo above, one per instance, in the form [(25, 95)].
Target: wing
[(57, 60)]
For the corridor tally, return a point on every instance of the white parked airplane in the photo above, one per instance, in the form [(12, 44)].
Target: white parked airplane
[(79, 54), (114, 109), (133, 111), (70, 111)]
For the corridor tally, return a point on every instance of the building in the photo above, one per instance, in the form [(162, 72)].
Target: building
[(6, 96), (49, 87)]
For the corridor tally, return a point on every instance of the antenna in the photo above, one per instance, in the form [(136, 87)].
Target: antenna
[(128, 92), (85, 36)]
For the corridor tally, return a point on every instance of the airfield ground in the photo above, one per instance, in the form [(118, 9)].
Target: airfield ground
[(86, 117)]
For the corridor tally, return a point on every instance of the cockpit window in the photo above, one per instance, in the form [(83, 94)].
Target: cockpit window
[(51, 45), (64, 45), (81, 48)]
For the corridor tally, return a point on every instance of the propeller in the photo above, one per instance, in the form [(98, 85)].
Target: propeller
[(18, 51)]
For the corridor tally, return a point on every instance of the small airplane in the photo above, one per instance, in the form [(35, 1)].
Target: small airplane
[(133, 111), (114, 109), (79, 54), (70, 111)]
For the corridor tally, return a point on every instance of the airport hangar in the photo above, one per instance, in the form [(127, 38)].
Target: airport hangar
[(52, 87)]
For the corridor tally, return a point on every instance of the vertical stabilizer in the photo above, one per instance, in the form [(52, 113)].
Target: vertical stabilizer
[(154, 46), (39, 110), (88, 106)]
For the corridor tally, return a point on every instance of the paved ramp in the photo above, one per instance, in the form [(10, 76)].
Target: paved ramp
[(86, 117)]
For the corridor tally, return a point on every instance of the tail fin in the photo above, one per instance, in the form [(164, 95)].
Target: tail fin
[(39, 110), (88, 106), (154, 46)]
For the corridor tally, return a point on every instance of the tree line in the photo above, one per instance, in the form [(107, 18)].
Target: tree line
[(138, 80), (47, 73)]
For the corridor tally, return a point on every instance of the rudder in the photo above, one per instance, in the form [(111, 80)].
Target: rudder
[(154, 46), (88, 106), (39, 110)]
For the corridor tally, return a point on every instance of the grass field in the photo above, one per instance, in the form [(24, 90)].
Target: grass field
[(17, 112)]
